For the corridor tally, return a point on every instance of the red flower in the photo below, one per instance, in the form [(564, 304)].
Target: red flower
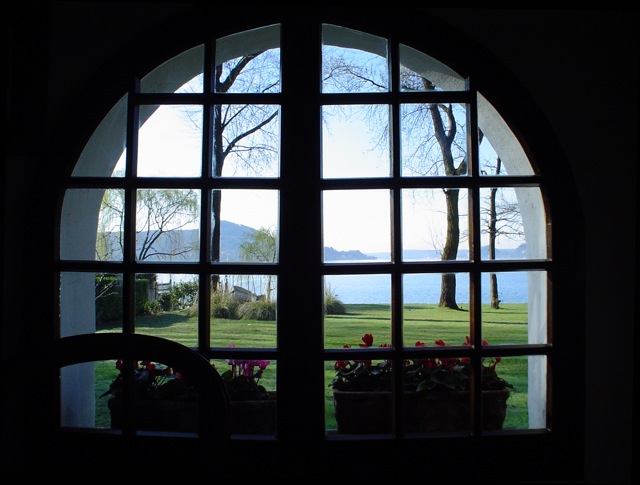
[(448, 362), (367, 338), (420, 344)]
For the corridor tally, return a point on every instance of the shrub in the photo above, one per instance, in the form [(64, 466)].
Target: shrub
[(184, 294), (223, 305), (332, 304), (258, 310)]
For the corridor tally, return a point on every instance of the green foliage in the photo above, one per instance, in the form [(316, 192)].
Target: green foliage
[(258, 310), (109, 298), (184, 294), (332, 304), (180, 296), (419, 374), (259, 246), (152, 381), (242, 380), (505, 325), (223, 305)]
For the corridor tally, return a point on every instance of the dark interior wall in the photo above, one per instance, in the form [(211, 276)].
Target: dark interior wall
[(580, 66)]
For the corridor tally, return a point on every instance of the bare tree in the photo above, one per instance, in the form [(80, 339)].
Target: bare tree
[(260, 246), (161, 217), (245, 139), (445, 135), (501, 218), (436, 144)]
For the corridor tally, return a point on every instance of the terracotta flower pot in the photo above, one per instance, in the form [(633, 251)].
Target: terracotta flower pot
[(247, 417), (158, 415), (370, 412)]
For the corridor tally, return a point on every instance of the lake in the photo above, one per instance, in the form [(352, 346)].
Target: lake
[(423, 288)]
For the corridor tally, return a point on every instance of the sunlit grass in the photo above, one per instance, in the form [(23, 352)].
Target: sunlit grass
[(425, 322)]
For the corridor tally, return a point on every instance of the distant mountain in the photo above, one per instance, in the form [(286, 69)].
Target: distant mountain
[(232, 235), (433, 255), (331, 254)]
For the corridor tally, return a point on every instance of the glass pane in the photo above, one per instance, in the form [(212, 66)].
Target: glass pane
[(490, 161), (354, 142), (525, 406), (437, 398), (108, 301), (85, 394), (426, 222), (90, 302), (248, 226), (105, 207), (356, 305), (358, 399), (433, 140), (182, 73), (249, 62), (426, 322), (170, 141), (357, 223), (251, 385), (353, 62), (508, 317), (109, 242), (243, 311), (167, 225), (167, 306), (246, 141), (420, 72), (438, 393), (503, 142), (163, 398), (505, 214)]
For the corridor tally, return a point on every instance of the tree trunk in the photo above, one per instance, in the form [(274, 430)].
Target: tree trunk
[(493, 290), (493, 218), (216, 199), (445, 138), (450, 250)]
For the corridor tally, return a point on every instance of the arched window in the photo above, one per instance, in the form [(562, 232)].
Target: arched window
[(341, 205)]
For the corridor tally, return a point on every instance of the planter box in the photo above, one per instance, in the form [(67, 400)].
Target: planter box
[(254, 417), (370, 412), (247, 417), (158, 415)]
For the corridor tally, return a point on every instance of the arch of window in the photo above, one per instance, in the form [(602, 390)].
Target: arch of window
[(109, 161)]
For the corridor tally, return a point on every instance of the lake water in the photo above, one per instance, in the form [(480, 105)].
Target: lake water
[(423, 288), (418, 288)]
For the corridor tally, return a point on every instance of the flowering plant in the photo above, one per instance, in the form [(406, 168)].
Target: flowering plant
[(152, 381), (243, 379), (421, 374)]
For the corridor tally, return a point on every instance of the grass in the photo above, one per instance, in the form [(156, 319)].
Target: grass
[(426, 322)]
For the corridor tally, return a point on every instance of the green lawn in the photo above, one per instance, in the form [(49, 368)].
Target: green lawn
[(421, 322)]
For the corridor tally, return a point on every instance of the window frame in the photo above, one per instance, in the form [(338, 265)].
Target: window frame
[(287, 270)]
